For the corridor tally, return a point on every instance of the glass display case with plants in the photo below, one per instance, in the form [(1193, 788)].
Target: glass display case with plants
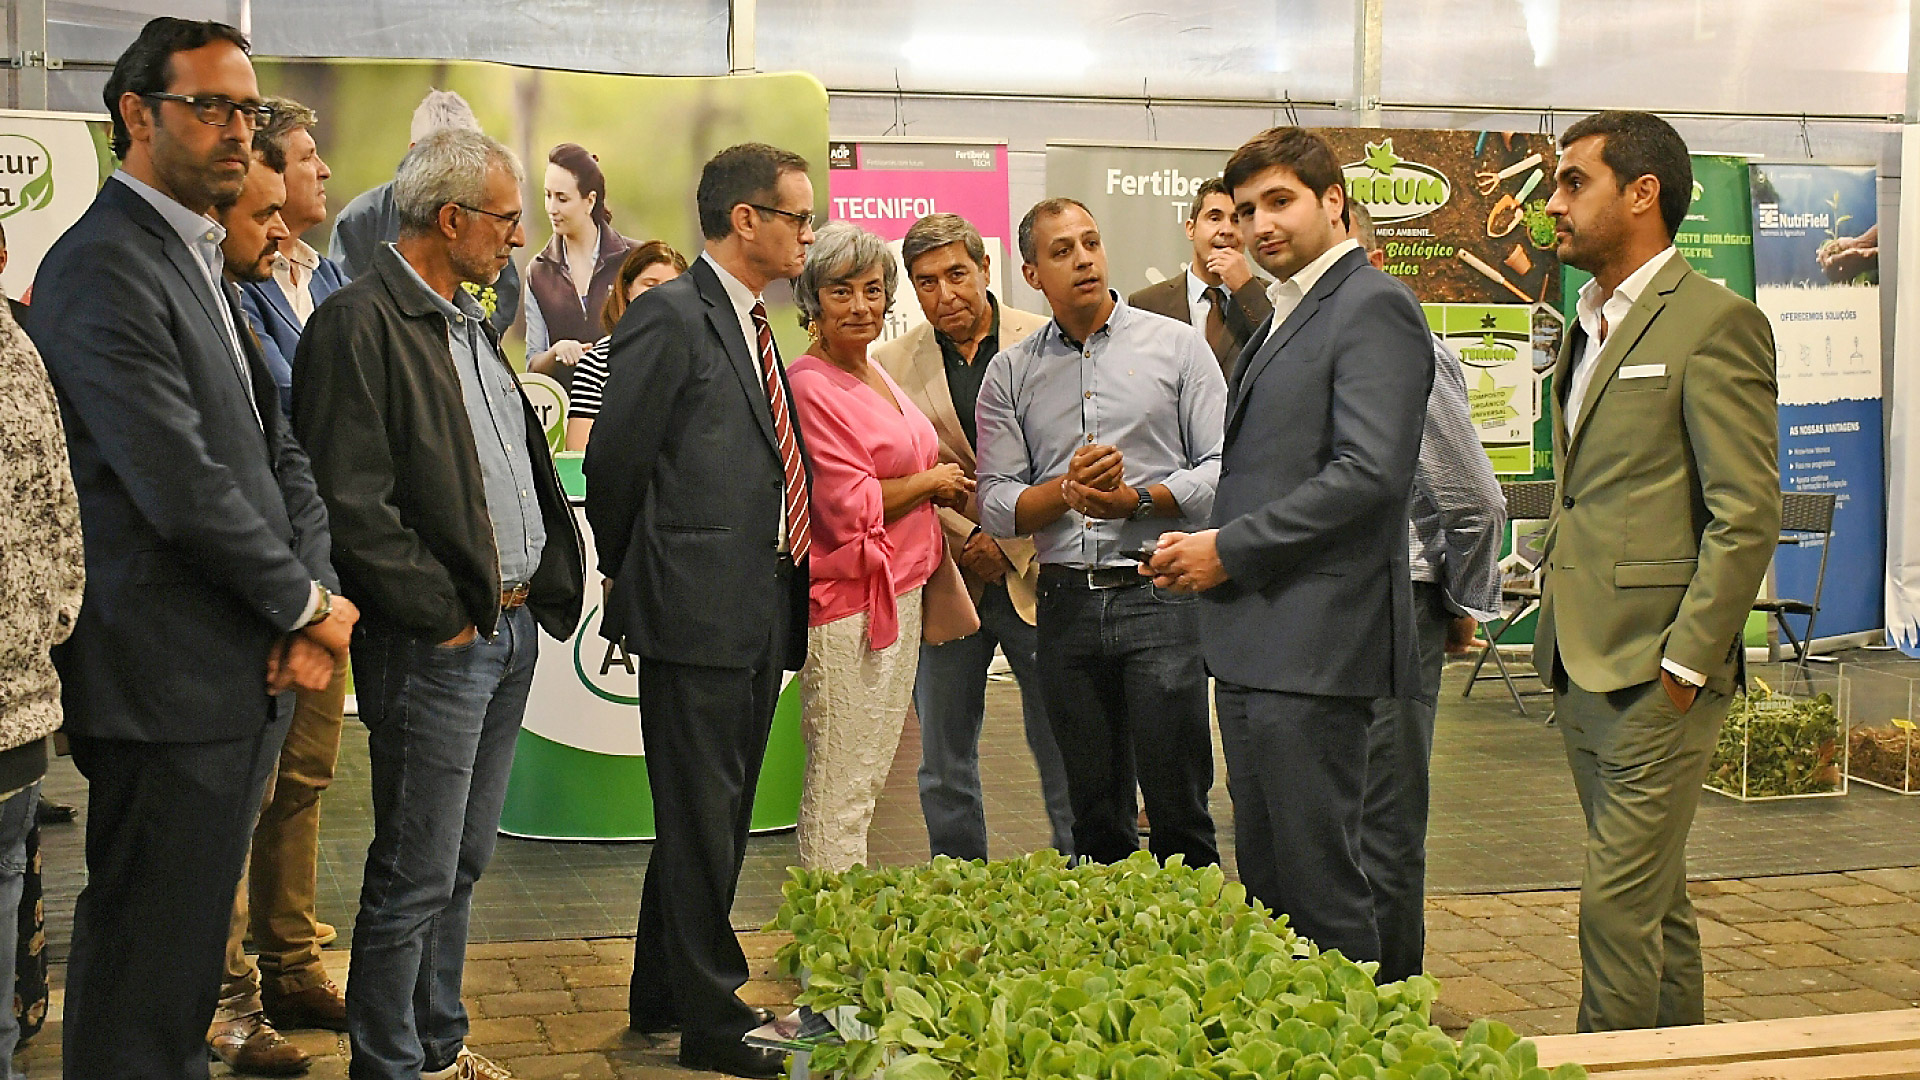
[(1880, 707), (1783, 738)]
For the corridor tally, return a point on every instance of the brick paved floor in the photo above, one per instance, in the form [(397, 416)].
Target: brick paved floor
[(1795, 945), (1781, 939)]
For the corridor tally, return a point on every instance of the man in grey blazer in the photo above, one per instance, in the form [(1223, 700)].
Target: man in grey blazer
[(1307, 613)]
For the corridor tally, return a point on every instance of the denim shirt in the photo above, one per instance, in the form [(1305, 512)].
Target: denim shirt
[(499, 433)]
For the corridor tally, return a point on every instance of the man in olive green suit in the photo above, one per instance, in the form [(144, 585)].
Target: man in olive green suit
[(1666, 449)]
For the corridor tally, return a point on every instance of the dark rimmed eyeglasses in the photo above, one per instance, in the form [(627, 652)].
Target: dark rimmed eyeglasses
[(512, 220), (215, 110), (806, 220)]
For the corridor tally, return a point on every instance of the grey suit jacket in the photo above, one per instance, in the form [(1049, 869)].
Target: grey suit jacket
[(1323, 431), (204, 531)]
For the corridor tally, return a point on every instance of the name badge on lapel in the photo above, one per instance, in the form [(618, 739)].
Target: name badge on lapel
[(1643, 371)]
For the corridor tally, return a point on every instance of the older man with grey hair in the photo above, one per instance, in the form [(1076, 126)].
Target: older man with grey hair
[(939, 365), (448, 516), (372, 220)]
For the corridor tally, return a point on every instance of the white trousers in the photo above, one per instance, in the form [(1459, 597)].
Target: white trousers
[(855, 702)]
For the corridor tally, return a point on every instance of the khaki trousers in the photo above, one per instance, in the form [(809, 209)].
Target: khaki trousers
[(1638, 764), (276, 894)]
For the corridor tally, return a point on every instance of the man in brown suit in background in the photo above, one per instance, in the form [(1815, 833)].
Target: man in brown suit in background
[(940, 364), (1218, 294)]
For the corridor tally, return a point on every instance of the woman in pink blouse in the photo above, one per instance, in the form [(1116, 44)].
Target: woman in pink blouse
[(876, 479)]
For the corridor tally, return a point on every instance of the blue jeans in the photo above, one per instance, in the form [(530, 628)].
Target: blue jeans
[(16, 821), (1126, 691), (441, 726), (950, 697)]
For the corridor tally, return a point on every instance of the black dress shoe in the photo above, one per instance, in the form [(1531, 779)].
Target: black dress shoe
[(735, 1059), (659, 1026)]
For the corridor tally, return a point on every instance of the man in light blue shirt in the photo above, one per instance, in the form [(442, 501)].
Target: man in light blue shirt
[(1096, 434)]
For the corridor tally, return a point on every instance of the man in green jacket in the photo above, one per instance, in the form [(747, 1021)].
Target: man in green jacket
[(1665, 443)]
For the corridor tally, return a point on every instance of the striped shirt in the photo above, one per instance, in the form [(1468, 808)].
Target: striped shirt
[(589, 379), (1458, 513)]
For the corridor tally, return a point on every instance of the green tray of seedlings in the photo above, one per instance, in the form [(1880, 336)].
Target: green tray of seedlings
[(1135, 971)]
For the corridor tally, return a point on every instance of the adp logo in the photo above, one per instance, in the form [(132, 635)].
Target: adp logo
[(26, 175), (1392, 188)]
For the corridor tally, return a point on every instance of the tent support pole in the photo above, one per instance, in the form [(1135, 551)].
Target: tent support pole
[(740, 20), (1367, 48)]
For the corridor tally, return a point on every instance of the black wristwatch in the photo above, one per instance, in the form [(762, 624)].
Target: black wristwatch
[(326, 606), (1144, 508)]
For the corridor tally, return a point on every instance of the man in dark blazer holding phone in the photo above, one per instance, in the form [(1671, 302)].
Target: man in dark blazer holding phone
[(1307, 612), (697, 494), (209, 576)]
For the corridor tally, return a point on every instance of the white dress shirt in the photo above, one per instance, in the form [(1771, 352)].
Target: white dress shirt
[(1197, 306), (1596, 321), (1286, 295), (294, 274), (743, 300)]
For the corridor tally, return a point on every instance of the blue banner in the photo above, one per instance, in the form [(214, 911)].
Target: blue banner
[(1816, 273)]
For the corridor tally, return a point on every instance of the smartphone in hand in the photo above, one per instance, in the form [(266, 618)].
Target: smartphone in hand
[(1140, 555)]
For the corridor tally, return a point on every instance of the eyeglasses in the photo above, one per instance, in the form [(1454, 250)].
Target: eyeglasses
[(800, 220), (512, 220), (216, 111)]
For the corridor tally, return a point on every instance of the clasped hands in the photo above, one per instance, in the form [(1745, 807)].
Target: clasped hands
[(305, 658), (948, 485), (1093, 485)]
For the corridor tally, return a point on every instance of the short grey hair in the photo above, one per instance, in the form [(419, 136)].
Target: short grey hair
[(441, 110), (935, 231), (448, 166), (1362, 222), (840, 252)]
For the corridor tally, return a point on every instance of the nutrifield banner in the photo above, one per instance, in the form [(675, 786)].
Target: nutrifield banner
[(885, 185), (1817, 276)]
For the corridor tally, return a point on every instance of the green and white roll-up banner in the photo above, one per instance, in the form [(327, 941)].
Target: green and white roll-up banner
[(51, 166), (581, 772)]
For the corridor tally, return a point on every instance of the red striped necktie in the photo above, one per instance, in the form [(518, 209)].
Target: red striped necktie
[(799, 526)]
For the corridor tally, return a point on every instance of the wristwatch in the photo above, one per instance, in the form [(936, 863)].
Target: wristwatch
[(1144, 509), (326, 606)]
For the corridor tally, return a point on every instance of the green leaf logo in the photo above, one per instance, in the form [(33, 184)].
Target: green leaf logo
[(1381, 158), (26, 175), (38, 192), (1491, 403)]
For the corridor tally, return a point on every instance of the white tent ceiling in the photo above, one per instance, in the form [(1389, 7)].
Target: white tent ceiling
[(1736, 56)]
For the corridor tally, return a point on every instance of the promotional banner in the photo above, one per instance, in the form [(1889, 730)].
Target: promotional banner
[(1816, 274), (580, 770), (1461, 218), (650, 136), (1717, 237), (884, 186), (51, 165)]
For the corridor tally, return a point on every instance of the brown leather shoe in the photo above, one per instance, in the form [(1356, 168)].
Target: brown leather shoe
[(250, 1045), (322, 1006)]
